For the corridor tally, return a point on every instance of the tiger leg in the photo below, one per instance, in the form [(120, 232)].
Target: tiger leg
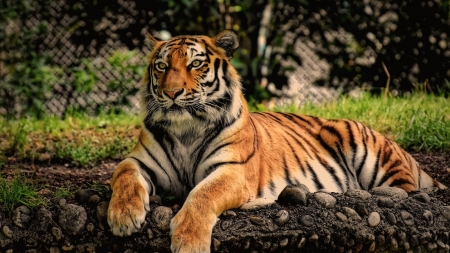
[(130, 199), (192, 226), (371, 158)]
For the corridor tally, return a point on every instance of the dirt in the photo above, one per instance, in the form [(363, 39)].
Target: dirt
[(49, 177)]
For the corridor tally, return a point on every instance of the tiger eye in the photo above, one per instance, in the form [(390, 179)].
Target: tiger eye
[(196, 63), (161, 65)]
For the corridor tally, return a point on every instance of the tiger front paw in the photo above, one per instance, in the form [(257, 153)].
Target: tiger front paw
[(127, 210), (191, 232)]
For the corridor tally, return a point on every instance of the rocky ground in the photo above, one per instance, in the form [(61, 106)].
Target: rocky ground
[(354, 222)]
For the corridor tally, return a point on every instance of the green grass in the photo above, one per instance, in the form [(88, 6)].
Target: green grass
[(78, 139), (420, 122), (16, 192)]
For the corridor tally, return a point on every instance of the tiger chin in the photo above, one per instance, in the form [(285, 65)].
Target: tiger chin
[(200, 142)]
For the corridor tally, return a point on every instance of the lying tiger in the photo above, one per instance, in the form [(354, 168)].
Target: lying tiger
[(200, 142)]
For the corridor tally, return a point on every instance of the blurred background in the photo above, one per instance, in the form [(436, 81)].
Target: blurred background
[(62, 56)]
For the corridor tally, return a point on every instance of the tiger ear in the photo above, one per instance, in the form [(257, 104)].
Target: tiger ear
[(228, 40), (150, 41)]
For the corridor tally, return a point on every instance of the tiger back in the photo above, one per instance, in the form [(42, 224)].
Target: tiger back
[(200, 142)]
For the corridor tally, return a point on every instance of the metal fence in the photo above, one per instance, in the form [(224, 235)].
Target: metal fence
[(67, 53)]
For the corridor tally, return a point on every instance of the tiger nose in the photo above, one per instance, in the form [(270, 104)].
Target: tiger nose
[(173, 93)]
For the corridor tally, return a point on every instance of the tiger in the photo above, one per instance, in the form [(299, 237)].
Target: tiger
[(200, 142)]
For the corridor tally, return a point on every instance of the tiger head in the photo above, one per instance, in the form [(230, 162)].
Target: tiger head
[(190, 78)]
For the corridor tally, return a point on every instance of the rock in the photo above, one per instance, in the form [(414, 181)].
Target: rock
[(341, 216), (161, 217), (155, 199), (292, 195), (351, 214), (325, 199), (150, 234), (62, 202), (284, 242), (57, 233), (445, 211), (385, 202), (301, 243), (361, 209), (374, 219), (392, 192), (216, 244), (72, 218), (307, 220), (257, 220), (44, 218), (7, 232), (102, 215), (407, 218), (229, 214), (81, 196), (390, 217), (54, 250), (355, 193), (94, 199), (422, 197), (21, 216), (281, 217), (428, 217)]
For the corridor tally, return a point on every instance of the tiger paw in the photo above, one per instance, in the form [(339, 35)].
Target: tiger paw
[(191, 232), (126, 211)]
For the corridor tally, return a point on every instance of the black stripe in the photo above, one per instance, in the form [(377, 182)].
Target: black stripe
[(388, 175), (398, 182), (375, 170), (287, 175), (351, 141), (152, 180), (332, 172), (318, 184)]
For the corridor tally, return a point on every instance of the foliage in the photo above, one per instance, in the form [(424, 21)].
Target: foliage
[(18, 192)]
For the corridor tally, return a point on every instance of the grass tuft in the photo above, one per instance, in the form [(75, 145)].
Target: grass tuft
[(18, 192)]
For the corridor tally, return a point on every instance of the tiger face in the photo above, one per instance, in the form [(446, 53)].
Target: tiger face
[(189, 79)]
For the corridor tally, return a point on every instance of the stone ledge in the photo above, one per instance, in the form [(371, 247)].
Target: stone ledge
[(358, 221)]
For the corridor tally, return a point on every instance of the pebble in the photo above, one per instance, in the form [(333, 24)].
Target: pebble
[(374, 219), (83, 195), (394, 244), (57, 233), (307, 220), (161, 217), (90, 227), (54, 250), (94, 199), (361, 209), (301, 243), (385, 202), (21, 216), (351, 214), (72, 218), (155, 199), (229, 213), (292, 195), (407, 218), (281, 217), (341, 216), (445, 211), (392, 192), (101, 211), (44, 218), (284, 242), (390, 217), (325, 199), (150, 234), (257, 220), (226, 224), (355, 193), (216, 244), (314, 238), (429, 217), (7, 232), (422, 197)]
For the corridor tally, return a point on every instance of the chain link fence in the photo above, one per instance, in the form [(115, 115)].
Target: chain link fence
[(100, 62)]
